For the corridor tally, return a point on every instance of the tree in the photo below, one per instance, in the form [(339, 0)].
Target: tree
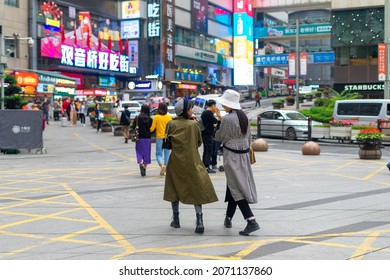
[(11, 99)]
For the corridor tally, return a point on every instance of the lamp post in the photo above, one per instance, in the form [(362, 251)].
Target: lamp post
[(3, 58)]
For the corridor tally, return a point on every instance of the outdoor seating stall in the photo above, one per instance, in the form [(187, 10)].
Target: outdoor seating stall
[(20, 129)]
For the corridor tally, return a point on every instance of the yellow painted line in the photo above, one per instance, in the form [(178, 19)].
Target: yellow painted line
[(54, 218), (281, 158), (372, 174), (199, 256), (37, 201), (343, 166), (100, 148), (254, 246), (17, 234), (326, 244), (38, 218), (365, 246), (46, 200), (116, 235)]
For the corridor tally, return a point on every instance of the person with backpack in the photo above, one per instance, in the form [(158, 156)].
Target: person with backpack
[(125, 123), (208, 124)]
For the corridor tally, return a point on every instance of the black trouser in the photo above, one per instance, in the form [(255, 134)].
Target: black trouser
[(207, 149), (257, 103), (99, 124), (82, 118), (216, 147), (232, 206), (56, 115)]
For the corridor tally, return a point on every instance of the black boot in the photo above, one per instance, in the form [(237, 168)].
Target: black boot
[(175, 222), (250, 227), (228, 222), (199, 223)]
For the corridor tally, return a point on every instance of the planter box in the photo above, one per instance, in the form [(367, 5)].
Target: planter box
[(320, 132), (118, 131), (354, 132), (343, 132), (374, 153)]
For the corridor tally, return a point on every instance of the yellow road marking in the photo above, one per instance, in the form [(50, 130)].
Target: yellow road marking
[(365, 246), (116, 235), (372, 174)]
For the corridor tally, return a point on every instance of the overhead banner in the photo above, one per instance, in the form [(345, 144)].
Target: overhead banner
[(292, 60), (282, 31), (381, 62)]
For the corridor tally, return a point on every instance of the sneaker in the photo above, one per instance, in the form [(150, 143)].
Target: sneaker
[(209, 170), (126, 141), (215, 167), (162, 171)]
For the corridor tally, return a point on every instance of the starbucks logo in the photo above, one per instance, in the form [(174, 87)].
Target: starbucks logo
[(16, 129)]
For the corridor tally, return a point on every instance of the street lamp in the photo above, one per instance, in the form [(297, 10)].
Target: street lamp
[(4, 58)]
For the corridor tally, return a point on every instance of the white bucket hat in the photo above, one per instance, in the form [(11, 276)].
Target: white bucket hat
[(230, 98)]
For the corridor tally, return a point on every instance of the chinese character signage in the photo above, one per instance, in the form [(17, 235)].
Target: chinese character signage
[(96, 60), (279, 31), (381, 62), (282, 59), (199, 16), (168, 34), (153, 14), (243, 42)]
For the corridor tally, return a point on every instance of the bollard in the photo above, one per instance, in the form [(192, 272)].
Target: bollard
[(311, 149), (258, 126), (310, 121)]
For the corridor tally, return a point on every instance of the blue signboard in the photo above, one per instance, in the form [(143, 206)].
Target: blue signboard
[(188, 77), (282, 59)]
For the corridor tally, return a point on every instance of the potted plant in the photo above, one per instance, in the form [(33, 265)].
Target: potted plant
[(106, 125), (309, 96), (290, 100), (320, 131), (370, 143), (341, 129), (277, 103), (355, 130)]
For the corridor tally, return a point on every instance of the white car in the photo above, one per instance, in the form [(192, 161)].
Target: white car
[(171, 111), (133, 106), (287, 124)]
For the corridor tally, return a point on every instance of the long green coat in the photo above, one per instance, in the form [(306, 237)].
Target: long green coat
[(187, 179)]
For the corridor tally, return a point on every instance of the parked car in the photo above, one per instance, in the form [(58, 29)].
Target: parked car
[(155, 101), (134, 108), (287, 124), (200, 104), (171, 111), (140, 99)]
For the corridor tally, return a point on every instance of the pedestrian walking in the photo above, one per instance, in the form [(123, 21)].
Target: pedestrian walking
[(56, 109), (46, 109), (159, 125), (72, 109), (125, 122), (257, 99), (209, 124), (143, 146), (234, 133), (187, 180), (82, 112), (99, 117)]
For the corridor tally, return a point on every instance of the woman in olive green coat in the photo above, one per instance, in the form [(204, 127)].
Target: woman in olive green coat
[(187, 179)]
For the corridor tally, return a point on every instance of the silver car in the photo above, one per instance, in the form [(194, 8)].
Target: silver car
[(284, 123)]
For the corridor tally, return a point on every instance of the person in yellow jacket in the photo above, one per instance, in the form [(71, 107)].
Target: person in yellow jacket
[(159, 124)]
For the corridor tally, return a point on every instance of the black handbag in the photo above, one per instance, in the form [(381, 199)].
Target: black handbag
[(167, 141)]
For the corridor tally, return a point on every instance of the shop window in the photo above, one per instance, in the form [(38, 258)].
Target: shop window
[(358, 56), (12, 3)]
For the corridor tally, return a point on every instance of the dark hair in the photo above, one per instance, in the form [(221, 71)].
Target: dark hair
[(243, 121), (210, 103), (187, 105), (162, 108), (145, 111)]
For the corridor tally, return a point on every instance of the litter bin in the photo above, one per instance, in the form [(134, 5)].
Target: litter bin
[(64, 122)]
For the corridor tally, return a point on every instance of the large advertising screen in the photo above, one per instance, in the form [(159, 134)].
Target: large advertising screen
[(243, 42), (199, 16)]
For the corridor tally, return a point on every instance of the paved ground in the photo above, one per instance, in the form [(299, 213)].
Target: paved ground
[(85, 199)]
